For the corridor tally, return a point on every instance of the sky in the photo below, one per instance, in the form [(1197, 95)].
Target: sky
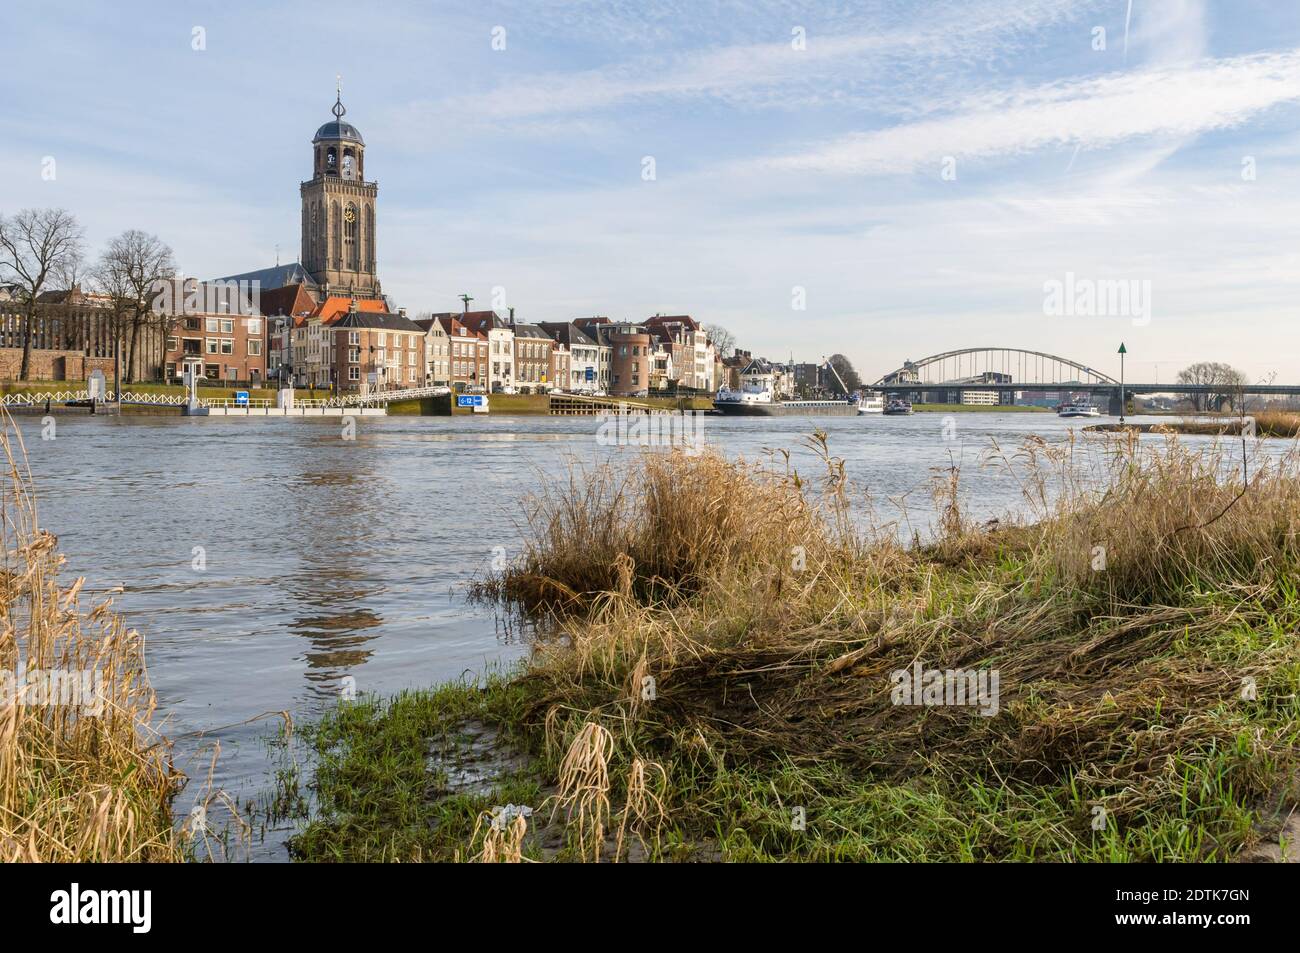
[(887, 179)]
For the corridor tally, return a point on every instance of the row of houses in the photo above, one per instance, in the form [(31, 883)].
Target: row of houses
[(229, 332), (359, 345)]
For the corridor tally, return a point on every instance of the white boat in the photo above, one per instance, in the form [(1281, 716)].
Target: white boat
[(870, 403), (1077, 408), (744, 396)]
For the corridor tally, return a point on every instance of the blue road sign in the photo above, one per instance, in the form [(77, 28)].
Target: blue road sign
[(471, 400), (241, 398)]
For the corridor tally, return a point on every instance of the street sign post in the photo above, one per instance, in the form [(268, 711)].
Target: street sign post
[(477, 402)]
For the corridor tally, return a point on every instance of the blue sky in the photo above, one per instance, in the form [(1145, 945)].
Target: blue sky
[(776, 168)]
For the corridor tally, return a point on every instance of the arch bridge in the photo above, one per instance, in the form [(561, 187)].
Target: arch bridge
[(993, 367)]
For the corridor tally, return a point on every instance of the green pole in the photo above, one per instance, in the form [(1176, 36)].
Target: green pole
[(1122, 351)]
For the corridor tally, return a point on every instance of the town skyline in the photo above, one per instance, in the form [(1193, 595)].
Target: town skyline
[(775, 178)]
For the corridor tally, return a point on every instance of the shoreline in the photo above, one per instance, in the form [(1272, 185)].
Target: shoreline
[(707, 698)]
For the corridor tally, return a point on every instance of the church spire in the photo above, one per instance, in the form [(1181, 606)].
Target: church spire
[(338, 109)]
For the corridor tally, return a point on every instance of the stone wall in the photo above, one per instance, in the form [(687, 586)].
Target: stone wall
[(50, 365)]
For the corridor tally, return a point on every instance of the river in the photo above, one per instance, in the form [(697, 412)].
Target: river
[(266, 559)]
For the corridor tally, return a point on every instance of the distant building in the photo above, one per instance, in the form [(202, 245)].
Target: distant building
[(469, 355), (71, 337), (437, 353), (588, 359), (689, 349), (630, 365), (217, 333), (376, 351)]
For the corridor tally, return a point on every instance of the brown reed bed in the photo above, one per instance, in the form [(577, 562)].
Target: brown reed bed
[(727, 638), (83, 774)]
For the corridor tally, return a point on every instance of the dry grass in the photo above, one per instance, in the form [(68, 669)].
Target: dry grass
[(1123, 619), (1277, 423), (644, 533), (87, 780)]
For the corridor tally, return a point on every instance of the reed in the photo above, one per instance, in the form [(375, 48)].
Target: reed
[(1141, 620), (84, 776)]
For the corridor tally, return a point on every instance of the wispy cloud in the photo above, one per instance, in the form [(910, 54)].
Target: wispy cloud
[(1184, 101), (864, 66)]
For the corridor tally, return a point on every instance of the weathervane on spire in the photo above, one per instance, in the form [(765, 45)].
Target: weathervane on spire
[(339, 111)]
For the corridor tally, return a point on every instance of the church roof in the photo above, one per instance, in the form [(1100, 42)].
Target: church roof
[(338, 129), (277, 277)]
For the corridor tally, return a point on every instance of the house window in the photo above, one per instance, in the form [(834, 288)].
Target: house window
[(254, 347), (354, 355), (354, 373), (254, 325), (227, 326), (227, 346), (172, 344), (212, 325), (212, 344), (354, 337)]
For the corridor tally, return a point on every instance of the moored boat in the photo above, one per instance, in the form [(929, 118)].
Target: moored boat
[(740, 403), (897, 407), (1078, 408), (870, 403)]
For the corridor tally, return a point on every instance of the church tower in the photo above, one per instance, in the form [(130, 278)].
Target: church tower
[(338, 211)]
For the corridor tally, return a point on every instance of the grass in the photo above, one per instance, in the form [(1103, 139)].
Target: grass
[(716, 680), (83, 774)]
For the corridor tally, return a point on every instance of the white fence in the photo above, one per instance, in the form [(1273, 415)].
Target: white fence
[(178, 400)]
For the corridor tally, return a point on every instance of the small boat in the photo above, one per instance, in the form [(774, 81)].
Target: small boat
[(1078, 408), (897, 407), (870, 403)]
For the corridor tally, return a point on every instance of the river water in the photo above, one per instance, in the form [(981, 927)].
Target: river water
[(267, 559)]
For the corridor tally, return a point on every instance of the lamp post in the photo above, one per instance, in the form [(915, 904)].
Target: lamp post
[(1122, 351)]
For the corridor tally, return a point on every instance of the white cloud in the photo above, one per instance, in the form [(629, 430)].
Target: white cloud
[(1183, 101)]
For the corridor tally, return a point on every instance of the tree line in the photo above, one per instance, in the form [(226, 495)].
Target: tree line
[(43, 249)]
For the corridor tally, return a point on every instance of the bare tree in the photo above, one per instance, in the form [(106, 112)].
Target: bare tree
[(1224, 379), (722, 339), (133, 270), (36, 246)]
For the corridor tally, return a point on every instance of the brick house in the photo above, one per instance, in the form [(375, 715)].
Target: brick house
[(469, 355), (630, 363), (376, 351), (218, 332), (688, 345)]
